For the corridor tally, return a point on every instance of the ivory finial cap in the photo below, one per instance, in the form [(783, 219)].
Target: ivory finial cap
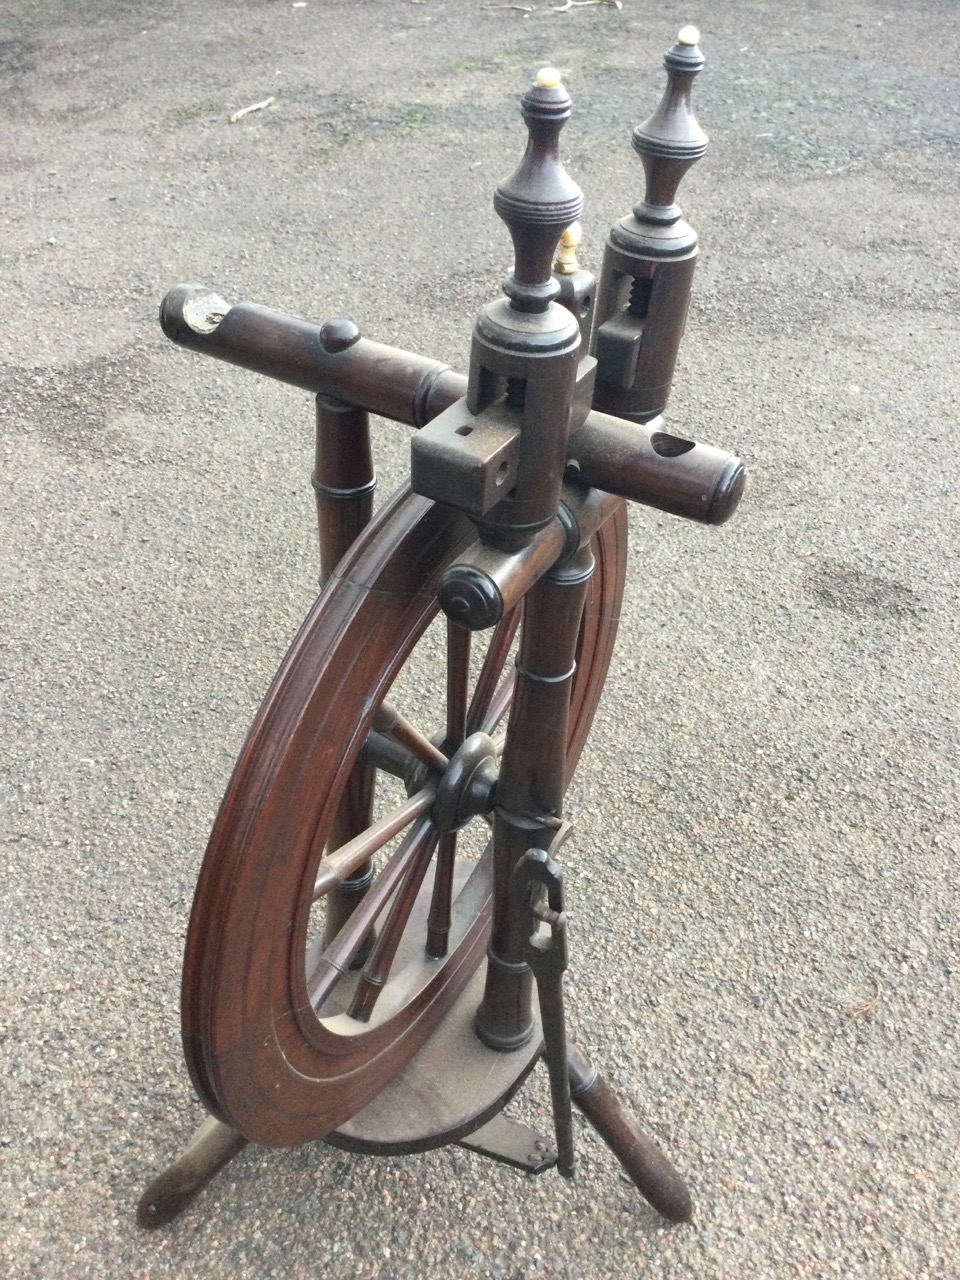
[(688, 35), (548, 77), (572, 236)]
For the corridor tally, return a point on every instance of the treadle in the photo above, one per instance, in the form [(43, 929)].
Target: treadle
[(453, 1086), (509, 1142)]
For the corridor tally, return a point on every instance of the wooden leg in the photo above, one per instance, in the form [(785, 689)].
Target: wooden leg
[(648, 1168), (212, 1146), (344, 482)]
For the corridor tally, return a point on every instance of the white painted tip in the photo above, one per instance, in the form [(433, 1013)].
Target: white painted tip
[(548, 78), (688, 35)]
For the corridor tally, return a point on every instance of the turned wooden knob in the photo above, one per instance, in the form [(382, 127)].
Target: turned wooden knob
[(671, 139), (539, 200)]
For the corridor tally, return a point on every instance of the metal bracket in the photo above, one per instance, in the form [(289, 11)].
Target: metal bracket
[(536, 877), (510, 1142)]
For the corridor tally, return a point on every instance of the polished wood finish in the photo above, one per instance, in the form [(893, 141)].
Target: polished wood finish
[(343, 479), (450, 1088), (533, 778), (650, 256), (333, 981), (260, 1055), (644, 1163), (211, 1148), (702, 483), (343, 482)]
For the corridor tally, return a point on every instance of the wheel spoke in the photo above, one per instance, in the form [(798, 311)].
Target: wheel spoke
[(339, 955), (354, 814), (388, 756), (441, 903), (305, 1066), (377, 969), (458, 676), (338, 865), (499, 703), (390, 722), (491, 670)]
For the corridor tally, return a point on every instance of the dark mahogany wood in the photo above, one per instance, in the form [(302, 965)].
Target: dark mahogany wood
[(333, 981), (344, 482), (533, 779), (211, 1148), (260, 1057), (699, 482), (647, 1167), (343, 479), (453, 1085), (650, 256)]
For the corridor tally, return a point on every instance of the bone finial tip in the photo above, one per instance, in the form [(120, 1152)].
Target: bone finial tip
[(566, 262), (572, 236), (548, 78), (689, 35)]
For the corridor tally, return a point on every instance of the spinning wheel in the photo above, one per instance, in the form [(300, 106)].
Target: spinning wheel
[(380, 892), (284, 1040)]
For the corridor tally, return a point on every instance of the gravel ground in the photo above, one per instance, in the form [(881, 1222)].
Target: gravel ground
[(764, 879)]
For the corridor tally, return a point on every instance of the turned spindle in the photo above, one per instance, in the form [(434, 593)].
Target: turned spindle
[(527, 346), (650, 255), (500, 453)]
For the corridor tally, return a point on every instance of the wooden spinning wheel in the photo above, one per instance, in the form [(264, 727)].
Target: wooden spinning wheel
[(284, 1040), (380, 893)]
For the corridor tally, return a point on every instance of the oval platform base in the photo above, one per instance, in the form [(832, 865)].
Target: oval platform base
[(452, 1087)]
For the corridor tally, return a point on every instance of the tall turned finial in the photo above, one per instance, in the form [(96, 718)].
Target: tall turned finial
[(671, 139), (650, 255), (500, 454), (539, 200)]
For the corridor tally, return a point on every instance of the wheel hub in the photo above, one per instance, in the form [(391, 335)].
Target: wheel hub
[(468, 785)]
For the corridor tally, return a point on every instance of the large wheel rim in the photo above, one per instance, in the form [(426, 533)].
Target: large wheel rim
[(260, 1056)]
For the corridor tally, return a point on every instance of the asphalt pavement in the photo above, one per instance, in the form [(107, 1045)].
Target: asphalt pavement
[(763, 882)]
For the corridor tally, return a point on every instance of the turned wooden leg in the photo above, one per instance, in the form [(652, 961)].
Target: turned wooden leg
[(212, 1146)]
